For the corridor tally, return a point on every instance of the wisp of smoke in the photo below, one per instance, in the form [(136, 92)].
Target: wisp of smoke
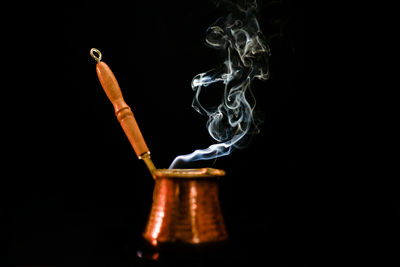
[(247, 53)]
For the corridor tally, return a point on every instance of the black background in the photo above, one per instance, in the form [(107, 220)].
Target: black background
[(86, 198)]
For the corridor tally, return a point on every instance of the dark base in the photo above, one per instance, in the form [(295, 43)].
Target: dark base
[(179, 254)]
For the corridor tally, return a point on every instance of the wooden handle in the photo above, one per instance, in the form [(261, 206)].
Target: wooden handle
[(122, 110)]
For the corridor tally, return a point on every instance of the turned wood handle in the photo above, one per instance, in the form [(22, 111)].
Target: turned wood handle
[(122, 110)]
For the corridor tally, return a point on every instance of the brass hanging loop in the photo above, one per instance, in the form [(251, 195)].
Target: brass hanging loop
[(97, 58)]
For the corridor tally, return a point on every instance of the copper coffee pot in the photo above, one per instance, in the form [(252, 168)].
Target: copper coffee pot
[(186, 208)]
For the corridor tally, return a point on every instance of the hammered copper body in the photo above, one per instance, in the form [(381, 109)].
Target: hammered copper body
[(186, 208)]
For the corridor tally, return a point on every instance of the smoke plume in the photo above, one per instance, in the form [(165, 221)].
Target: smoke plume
[(239, 37)]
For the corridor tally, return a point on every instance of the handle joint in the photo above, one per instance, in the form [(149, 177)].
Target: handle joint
[(123, 113)]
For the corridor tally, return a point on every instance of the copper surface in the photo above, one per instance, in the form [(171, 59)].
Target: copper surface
[(185, 207)]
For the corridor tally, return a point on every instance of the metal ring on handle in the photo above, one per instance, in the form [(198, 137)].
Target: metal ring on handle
[(93, 55)]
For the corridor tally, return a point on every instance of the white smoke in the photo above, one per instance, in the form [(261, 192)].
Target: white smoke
[(247, 54)]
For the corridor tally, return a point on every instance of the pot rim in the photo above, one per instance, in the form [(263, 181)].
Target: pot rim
[(188, 173)]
